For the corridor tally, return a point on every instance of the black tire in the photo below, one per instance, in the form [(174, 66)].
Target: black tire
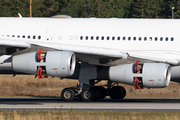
[(68, 94), (88, 94), (124, 91), (97, 93), (117, 92), (102, 92)]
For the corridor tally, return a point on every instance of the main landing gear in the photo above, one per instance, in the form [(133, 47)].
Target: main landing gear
[(87, 93)]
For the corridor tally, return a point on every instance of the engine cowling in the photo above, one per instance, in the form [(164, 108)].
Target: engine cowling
[(151, 75), (54, 63)]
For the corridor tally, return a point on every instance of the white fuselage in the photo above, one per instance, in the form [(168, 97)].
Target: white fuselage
[(69, 31)]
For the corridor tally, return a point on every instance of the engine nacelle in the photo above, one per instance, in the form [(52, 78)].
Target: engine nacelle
[(151, 75), (53, 63)]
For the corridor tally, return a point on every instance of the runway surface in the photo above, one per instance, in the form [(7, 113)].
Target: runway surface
[(103, 105)]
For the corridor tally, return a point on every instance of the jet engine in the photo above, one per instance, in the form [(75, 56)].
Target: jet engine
[(151, 75), (51, 63)]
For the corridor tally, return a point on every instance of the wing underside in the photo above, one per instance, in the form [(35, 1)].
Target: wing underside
[(93, 55)]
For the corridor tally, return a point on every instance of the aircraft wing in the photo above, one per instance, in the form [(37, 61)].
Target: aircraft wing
[(152, 56), (13, 43), (115, 53), (83, 49)]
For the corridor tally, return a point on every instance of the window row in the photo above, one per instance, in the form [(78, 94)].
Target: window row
[(127, 38), (29, 36)]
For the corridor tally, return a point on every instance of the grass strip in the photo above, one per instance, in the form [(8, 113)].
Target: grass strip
[(88, 115)]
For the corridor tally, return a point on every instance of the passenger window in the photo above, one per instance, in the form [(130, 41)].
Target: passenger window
[(124, 38), (39, 37), (92, 37), (97, 38), (76, 37), (34, 37), (13, 35), (108, 38), (145, 38), (102, 38), (70, 38), (172, 39), (86, 37), (23, 36), (150, 38), (113, 38), (29, 37), (118, 38), (139, 38), (161, 39), (166, 38), (81, 38), (18, 36), (60, 37), (156, 38), (134, 38), (129, 38)]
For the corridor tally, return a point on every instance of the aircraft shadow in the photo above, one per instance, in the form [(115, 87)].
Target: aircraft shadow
[(35, 101)]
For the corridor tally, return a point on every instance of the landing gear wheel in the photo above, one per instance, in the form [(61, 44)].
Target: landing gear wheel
[(68, 94), (102, 92), (88, 94), (124, 92), (97, 93), (117, 92)]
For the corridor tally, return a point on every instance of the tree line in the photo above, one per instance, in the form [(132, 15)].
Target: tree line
[(92, 8)]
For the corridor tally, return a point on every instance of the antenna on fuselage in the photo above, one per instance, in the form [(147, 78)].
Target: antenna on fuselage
[(19, 15)]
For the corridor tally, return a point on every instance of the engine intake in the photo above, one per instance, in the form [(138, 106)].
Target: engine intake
[(151, 75), (53, 63)]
